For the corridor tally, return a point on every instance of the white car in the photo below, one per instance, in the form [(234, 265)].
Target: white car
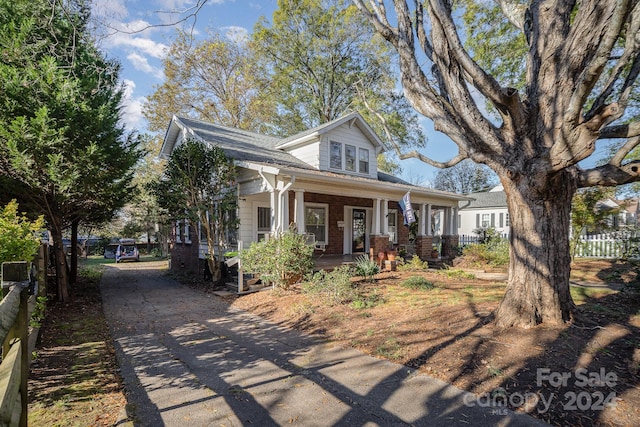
[(127, 250)]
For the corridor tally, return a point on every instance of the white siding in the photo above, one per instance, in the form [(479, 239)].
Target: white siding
[(309, 153), (351, 135), (247, 209), (469, 219)]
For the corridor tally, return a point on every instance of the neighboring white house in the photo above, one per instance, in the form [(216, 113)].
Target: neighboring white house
[(325, 181), (489, 209), (485, 209)]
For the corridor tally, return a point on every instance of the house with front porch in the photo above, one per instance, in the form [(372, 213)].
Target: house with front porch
[(325, 183)]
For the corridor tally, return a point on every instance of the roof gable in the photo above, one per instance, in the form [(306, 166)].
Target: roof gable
[(353, 119)]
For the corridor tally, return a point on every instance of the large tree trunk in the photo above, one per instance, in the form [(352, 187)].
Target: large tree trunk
[(540, 260), (61, 262)]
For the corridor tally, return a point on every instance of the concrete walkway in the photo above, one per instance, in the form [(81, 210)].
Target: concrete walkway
[(187, 359)]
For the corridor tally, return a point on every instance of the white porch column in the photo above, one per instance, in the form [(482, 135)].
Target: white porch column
[(298, 217), (376, 217), (455, 221), (422, 231), (385, 217), (283, 210), (429, 227), (447, 221), (273, 204)]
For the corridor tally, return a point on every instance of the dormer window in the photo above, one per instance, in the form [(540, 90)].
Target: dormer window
[(364, 160), (335, 161), (350, 158)]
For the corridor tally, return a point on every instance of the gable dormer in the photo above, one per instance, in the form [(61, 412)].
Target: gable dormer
[(346, 145)]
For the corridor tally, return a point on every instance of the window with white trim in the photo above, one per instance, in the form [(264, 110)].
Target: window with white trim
[(350, 158), (507, 220), (335, 155), (187, 231), (486, 220), (316, 220), (264, 222), (364, 160), (392, 225), (177, 230)]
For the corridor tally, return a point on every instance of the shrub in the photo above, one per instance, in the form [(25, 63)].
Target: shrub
[(417, 282), (495, 253), (18, 239), (416, 264), (366, 267), (282, 260), (331, 287)]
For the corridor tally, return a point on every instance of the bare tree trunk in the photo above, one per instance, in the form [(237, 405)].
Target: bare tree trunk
[(540, 259)]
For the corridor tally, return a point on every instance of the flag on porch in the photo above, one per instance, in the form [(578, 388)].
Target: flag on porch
[(407, 210)]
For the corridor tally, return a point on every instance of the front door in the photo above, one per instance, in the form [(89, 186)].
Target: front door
[(359, 227)]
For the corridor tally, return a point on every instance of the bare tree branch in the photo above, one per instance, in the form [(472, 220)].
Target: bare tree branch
[(189, 12), (514, 12), (441, 165), (607, 22), (620, 131), (610, 175), (630, 55), (622, 152)]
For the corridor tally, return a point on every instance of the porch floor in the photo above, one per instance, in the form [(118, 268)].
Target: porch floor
[(328, 262)]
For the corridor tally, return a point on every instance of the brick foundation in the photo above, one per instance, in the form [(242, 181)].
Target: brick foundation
[(424, 246)]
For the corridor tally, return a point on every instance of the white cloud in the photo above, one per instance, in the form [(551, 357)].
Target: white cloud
[(142, 44), (141, 63), (132, 107), (236, 34)]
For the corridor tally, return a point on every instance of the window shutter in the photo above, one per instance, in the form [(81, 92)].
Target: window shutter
[(501, 219), (493, 220), (477, 220)]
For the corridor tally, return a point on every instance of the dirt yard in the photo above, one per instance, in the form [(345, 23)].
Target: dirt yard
[(581, 375)]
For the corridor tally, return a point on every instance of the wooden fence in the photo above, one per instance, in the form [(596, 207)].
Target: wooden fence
[(619, 244), (19, 281)]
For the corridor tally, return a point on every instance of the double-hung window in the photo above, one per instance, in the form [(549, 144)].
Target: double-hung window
[(392, 225), (264, 222), (486, 220), (316, 220), (350, 158), (364, 161), (335, 155)]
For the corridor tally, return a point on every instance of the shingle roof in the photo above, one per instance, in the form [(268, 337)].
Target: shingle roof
[(485, 199), (243, 145)]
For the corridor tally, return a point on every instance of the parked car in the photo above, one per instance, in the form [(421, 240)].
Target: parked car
[(110, 251), (127, 249)]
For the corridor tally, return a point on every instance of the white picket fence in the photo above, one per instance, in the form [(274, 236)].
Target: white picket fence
[(620, 244)]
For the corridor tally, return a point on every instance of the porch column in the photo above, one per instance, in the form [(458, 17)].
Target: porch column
[(446, 229), (376, 217), (284, 212), (298, 217), (273, 204), (429, 226), (455, 221), (422, 231), (385, 217)]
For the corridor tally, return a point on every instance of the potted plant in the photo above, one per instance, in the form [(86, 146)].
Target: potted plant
[(435, 253)]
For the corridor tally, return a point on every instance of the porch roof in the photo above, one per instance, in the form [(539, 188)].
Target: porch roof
[(337, 183)]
